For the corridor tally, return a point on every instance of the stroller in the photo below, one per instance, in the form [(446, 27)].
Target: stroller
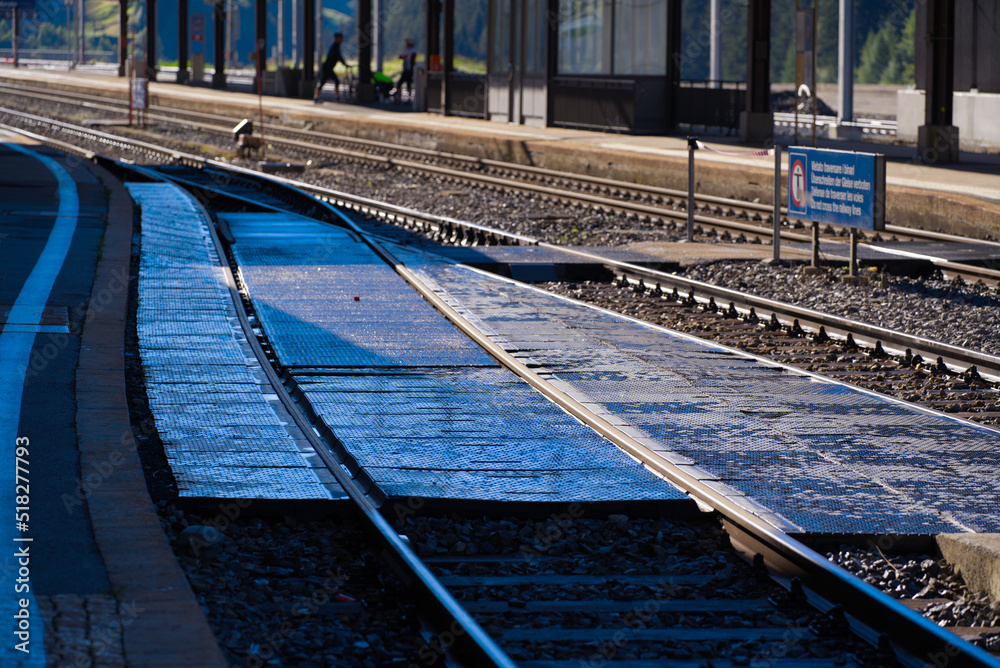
[(383, 85)]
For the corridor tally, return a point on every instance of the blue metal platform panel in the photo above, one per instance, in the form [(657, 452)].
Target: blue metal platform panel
[(422, 409), (823, 455), (215, 413), (535, 263)]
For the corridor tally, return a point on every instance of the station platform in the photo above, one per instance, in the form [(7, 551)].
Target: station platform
[(101, 584), (963, 198)]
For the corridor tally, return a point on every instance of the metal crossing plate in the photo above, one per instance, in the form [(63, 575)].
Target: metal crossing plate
[(221, 435), (823, 455)]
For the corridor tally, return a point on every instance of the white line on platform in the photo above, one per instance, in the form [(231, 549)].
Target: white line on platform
[(15, 353)]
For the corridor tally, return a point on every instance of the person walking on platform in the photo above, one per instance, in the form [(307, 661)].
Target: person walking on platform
[(409, 63), (333, 57)]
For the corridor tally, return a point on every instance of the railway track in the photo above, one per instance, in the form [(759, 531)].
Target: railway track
[(452, 231), (595, 626), (777, 551), (716, 217)]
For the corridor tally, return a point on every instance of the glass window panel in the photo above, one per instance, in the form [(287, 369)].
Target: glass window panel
[(581, 37), (470, 35), (501, 36), (640, 37), (534, 47)]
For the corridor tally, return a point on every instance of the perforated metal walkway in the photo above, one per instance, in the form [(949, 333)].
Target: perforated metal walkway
[(823, 456), (422, 409), (223, 429)]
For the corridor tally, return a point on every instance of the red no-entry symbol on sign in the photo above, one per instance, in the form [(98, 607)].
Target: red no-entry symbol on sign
[(797, 190)]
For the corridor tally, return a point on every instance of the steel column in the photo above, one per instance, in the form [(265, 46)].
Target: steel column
[(122, 37), (448, 55), (151, 40), (260, 40), (673, 44), (715, 41), (757, 123), (308, 45), (82, 29), (845, 63), (183, 76), (366, 92), (433, 44), (219, 37), (15, 34), (937, 139)]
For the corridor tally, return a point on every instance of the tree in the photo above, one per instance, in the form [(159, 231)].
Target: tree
[(887, 55), (875, 57)]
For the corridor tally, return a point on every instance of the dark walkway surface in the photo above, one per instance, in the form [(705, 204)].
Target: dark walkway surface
[(103, 585)]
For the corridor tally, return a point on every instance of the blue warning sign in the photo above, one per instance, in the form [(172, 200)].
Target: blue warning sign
[(839, 187)]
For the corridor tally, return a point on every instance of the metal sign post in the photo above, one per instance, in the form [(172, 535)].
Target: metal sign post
[(692, 147), (15, 35), (776, 214), (69, 32)]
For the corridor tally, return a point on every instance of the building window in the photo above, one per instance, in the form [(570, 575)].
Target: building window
[(640, 37), (626, 37), (534, 44), (582, 35)]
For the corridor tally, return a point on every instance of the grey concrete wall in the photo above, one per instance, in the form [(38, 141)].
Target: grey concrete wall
[(975, 116)]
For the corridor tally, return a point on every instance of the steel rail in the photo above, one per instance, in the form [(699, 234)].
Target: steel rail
[(471, 643), (611, 185), (958, 358), (863, 602), (869, 605), (954, 356), (864, 333)]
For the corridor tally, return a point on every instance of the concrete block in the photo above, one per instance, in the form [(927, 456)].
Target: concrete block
[(756, 127), (846, 132), (937, 143), (976, 557), (909, 113)]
